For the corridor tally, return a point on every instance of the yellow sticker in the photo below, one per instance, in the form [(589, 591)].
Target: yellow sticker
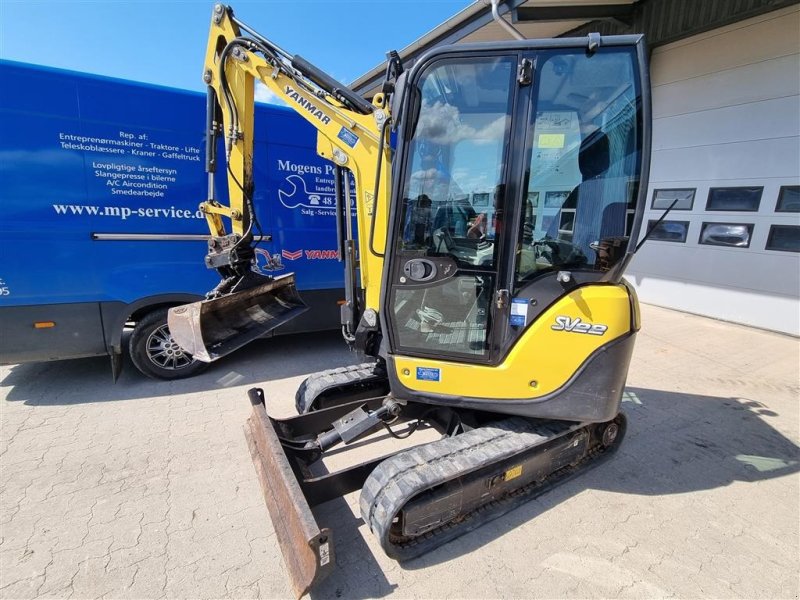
[(551, 140), (513, 472)]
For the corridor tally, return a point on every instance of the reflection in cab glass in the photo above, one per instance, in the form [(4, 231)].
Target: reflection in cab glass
[(457, 161), (450, 210), (584, 159)]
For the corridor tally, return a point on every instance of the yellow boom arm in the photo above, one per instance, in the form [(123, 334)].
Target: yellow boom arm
[(345, 136)]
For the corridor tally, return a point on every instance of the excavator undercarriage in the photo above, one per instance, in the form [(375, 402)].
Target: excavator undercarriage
[(421, 496)]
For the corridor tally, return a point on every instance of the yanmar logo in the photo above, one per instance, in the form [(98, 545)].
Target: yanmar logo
[(322, 254), (311, 254), (292, 255), (577, 326), (309, 106)]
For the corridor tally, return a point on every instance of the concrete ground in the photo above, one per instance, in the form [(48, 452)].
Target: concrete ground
[(145, 489)]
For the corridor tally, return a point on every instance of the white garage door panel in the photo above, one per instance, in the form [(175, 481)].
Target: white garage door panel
[(727, 114), (759, 160), (776, 78), (772, 35), (778, 313), (732, 268), (745, 122)]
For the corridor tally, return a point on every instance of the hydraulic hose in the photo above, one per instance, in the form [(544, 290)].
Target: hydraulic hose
[(384, 127)]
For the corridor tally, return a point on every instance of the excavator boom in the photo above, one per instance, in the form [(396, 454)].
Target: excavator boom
[(351, 132)]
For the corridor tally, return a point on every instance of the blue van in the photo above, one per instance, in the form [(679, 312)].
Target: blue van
[(100, 182)]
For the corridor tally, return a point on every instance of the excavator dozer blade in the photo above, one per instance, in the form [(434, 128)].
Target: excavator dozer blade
[(307, 549), (211, 329)]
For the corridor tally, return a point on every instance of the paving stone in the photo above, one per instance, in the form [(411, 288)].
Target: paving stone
[(145, 489)]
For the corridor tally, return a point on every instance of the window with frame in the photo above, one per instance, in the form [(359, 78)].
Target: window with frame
[(788, 199), (732, 235), (663, 199), (734, 199), (582, 166), (784, 238), (669, 231), (480, 200)]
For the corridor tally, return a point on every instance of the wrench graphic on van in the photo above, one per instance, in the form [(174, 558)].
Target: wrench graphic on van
[(301, 196)]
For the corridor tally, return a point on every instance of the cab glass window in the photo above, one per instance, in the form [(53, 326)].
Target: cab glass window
[(451, 211), (457, 159), (584, 160)]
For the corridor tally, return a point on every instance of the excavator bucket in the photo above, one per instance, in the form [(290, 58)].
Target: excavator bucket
[(307, 549), (211, 329)]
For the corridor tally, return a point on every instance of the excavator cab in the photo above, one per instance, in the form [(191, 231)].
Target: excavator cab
[(483, 276), (532, 190)]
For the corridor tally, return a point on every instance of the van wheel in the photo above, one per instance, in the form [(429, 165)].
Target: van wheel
[(155, 353)]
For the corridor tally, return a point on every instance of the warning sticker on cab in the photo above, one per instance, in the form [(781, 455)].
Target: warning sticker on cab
[(429, 374), (551, 140), (519, 312)]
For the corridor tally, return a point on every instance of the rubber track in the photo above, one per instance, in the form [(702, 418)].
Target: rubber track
[(362, 376), (403, 476)]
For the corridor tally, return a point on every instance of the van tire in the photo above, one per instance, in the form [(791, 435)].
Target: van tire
[(154, 352)]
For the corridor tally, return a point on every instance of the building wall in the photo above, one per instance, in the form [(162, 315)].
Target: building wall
[(726, 109)]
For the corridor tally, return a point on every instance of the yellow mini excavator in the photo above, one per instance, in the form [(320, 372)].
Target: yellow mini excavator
[(488, 200)]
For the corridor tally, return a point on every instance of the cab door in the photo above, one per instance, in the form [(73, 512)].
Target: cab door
[(446, 254)]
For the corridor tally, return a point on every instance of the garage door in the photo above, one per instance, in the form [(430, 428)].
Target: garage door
[(726, 143)]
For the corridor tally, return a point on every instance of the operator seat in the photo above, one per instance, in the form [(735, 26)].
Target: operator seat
[(599, 213)]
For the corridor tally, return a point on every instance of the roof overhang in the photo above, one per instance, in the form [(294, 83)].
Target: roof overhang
[(661, 22), (533, 18)]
